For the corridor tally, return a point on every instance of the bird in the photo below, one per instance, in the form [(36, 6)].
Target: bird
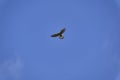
[(60, 34)]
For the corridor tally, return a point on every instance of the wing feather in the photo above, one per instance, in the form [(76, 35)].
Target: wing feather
[(62, 31), (55, 35)]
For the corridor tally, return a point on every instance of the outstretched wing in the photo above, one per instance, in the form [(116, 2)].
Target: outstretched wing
[(55, 35), (62, 31)]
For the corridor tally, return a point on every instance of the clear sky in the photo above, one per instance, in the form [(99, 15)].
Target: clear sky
[(89, 51)]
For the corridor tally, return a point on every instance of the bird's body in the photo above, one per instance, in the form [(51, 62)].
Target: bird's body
[(60, 34)]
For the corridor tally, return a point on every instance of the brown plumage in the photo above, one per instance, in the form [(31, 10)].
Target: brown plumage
[(60, 34)]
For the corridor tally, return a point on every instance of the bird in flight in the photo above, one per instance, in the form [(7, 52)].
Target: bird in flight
[(60, 34)]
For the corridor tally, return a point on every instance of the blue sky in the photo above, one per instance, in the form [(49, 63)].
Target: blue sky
[(89, 51)]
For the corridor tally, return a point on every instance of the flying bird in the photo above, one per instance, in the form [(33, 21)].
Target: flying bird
[(60, 34)]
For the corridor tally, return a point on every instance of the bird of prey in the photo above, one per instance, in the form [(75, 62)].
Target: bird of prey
[(60, 34)]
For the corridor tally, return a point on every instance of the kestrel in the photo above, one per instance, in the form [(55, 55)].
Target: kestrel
[(60, 34)]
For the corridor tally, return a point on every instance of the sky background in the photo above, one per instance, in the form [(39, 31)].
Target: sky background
[(89, 51)]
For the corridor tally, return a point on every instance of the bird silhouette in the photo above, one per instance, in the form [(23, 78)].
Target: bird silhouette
[(60, 34)]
